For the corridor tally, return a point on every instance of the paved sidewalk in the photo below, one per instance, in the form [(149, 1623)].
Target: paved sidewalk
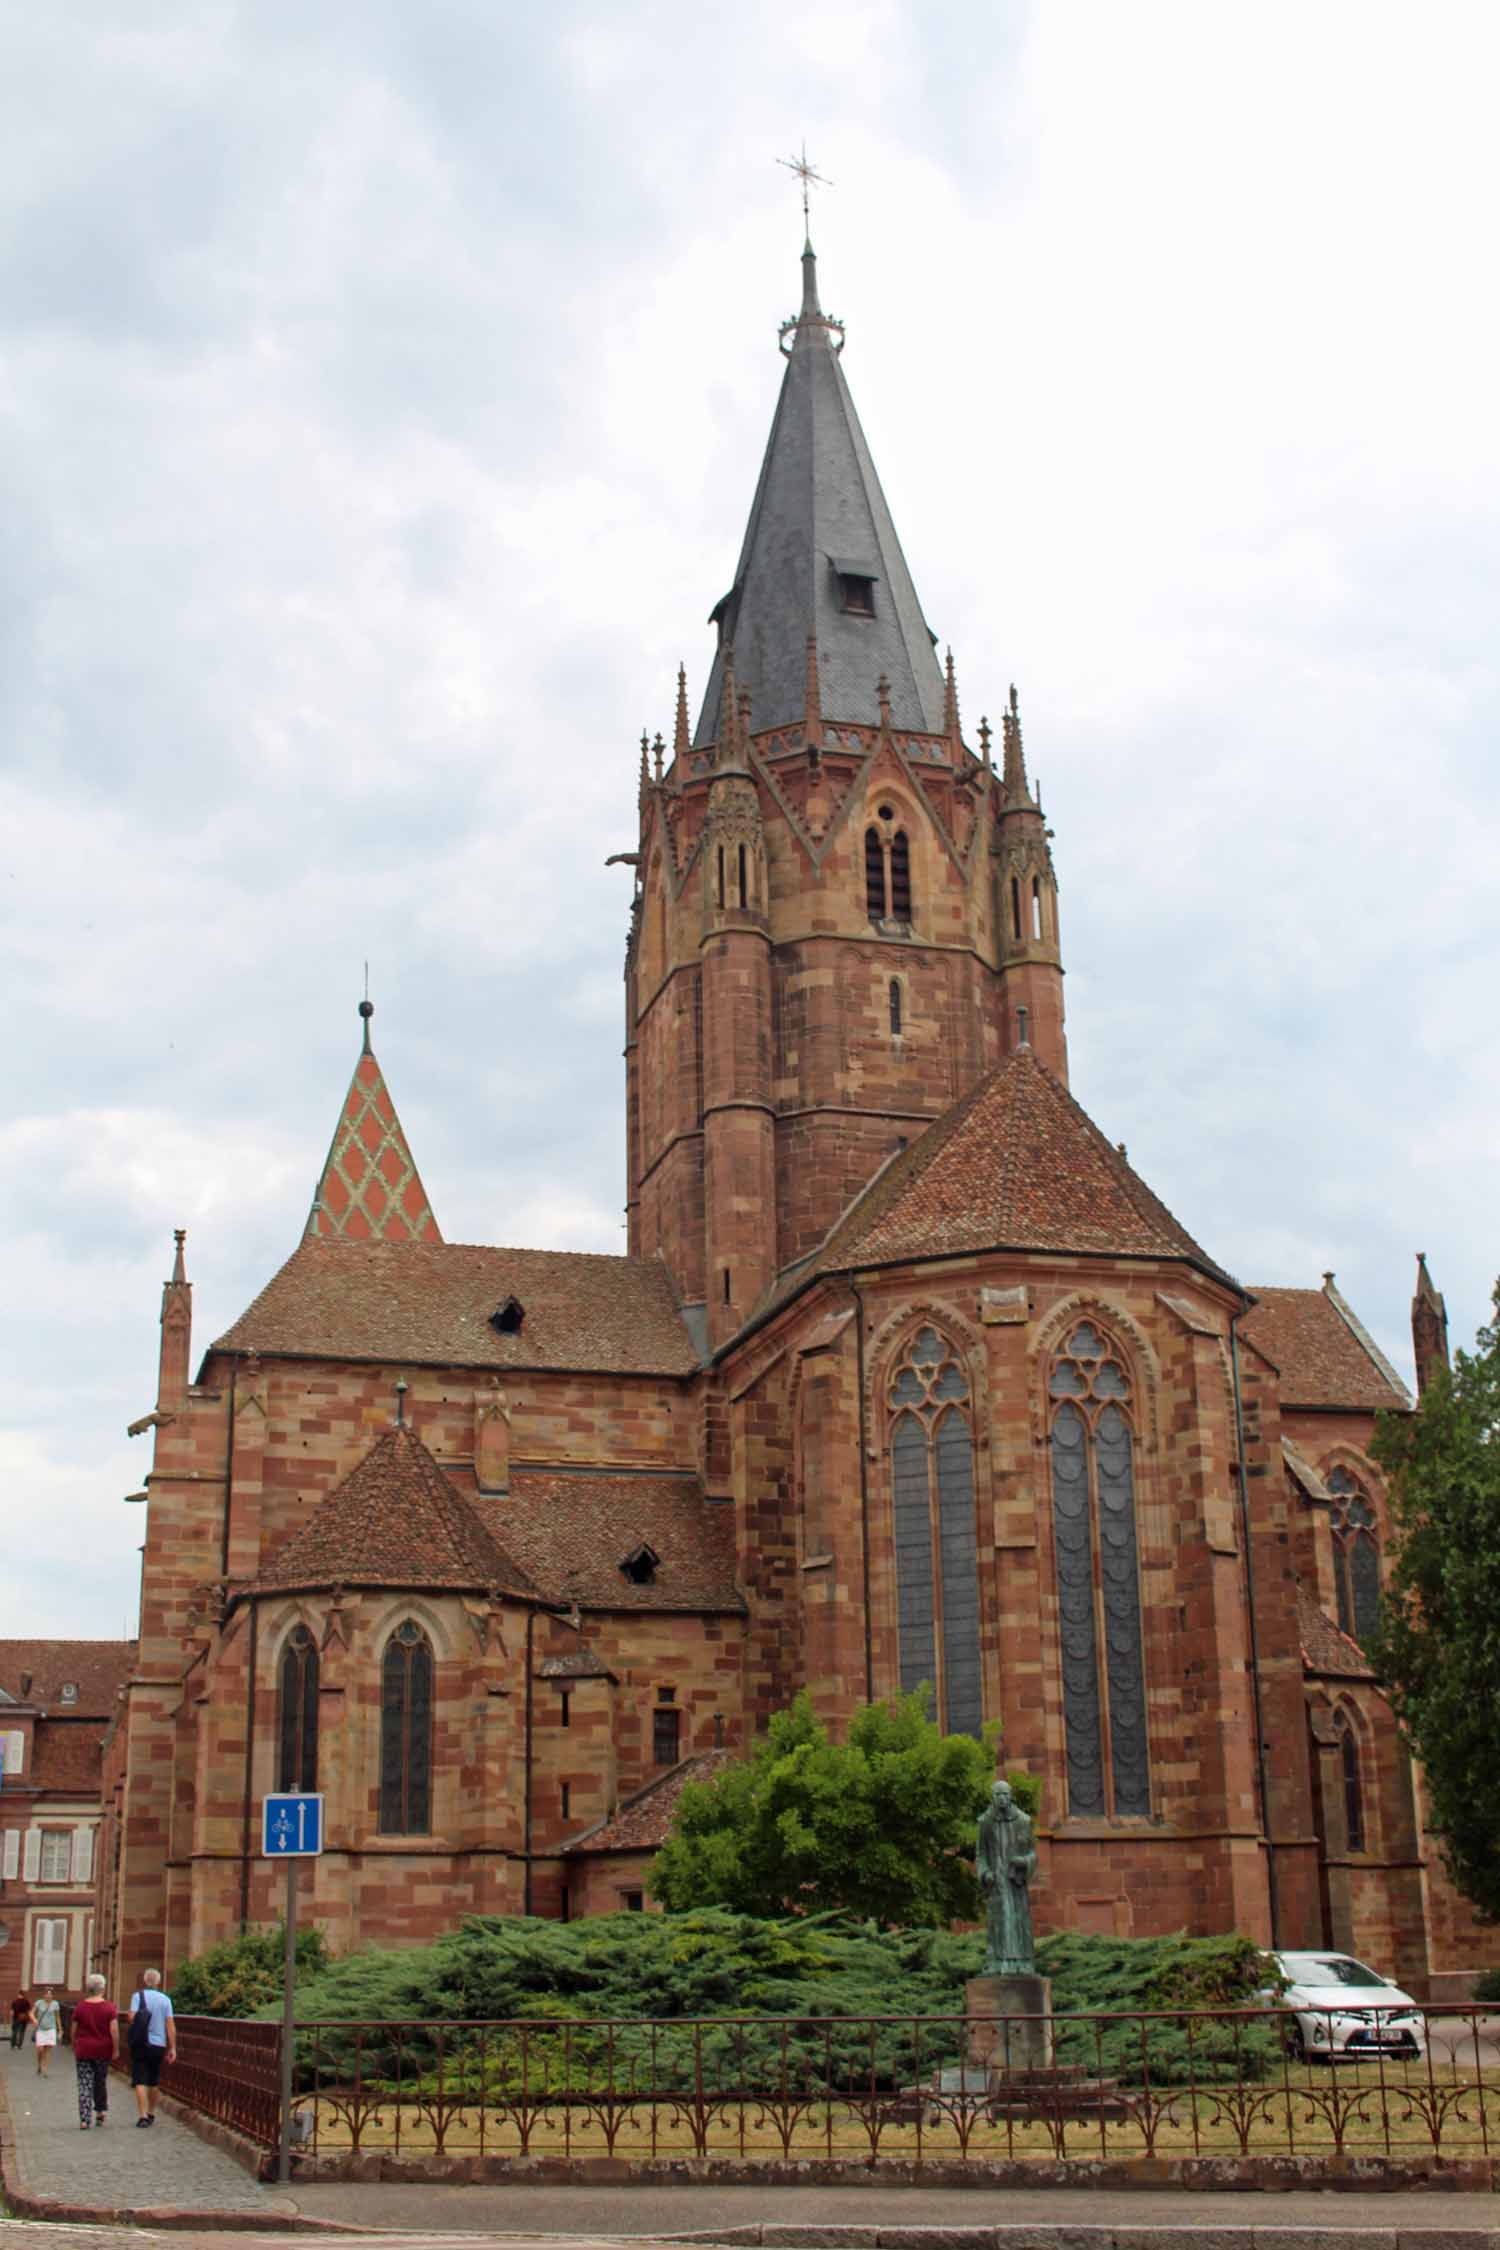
[(116, 2168)]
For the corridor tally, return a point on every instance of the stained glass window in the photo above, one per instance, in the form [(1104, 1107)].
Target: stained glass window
[(1098, 1578), (1356, 1556), (406, 1733), (936, 1542), (297, 1746)]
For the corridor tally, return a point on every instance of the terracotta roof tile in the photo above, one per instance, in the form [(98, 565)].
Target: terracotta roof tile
[(1325, 1649), (98, 1669), (1015, 1164), (1322, 1360), (571, 1530), (68, 1756), (642, 1822), (422, 1303), (580, 1664), (369, 1188), (396, 1520)]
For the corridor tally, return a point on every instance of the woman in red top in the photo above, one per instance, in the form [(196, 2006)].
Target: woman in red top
[(96, 2043)]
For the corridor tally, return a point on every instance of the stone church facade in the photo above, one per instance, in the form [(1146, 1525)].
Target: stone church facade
[(907, 1376)]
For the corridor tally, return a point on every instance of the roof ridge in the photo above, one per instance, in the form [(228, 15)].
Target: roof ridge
[(1363, 1338)]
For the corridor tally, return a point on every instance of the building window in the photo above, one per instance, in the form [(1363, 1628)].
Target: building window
[(567, 1800), (666, 1733), (297, 1741), (57, 1855), (857, 593), (900, 877), (874, 875), (895, 1007), (1356, 1556), (406, 1733), (634, 1901), (1354, 1796), (1098, 1583), (49, 1950), (937, 1560), (565, 1707)]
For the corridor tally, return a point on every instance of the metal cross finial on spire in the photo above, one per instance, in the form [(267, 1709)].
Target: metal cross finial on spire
[(809, 177)]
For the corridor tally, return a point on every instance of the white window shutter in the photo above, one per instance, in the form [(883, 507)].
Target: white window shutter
[(31, 1865), (50, 1954), (10, 1863), (13, 1743), (83, 1855)]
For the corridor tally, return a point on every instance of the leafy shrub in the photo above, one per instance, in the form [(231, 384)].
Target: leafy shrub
[(240, 1975)]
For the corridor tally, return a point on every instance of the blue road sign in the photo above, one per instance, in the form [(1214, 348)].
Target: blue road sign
[(291, 1827)]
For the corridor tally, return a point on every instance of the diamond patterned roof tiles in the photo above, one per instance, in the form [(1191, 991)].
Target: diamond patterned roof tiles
[(1016, 1164), (429, 1304), (370, 1189)]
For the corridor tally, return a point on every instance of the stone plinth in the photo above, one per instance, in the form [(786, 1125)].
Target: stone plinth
[(1014, 2048)]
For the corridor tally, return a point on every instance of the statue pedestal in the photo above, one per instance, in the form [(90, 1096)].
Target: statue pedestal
[(1011, 2049)]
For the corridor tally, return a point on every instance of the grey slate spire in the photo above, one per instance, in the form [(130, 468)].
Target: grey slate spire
[(820, 540)]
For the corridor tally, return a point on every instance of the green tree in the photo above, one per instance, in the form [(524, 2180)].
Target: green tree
[(1438, 1646), (881, 1826), (241, 1974)]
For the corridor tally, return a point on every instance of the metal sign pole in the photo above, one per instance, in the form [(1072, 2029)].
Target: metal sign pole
[(288, 2014)]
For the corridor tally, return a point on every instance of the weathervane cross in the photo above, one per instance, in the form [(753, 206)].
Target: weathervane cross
[(809, 178)]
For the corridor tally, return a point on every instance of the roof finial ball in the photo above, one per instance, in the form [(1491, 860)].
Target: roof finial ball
[(366, 1010)]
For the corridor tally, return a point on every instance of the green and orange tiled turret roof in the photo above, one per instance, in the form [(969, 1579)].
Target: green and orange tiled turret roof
[(370, 1189)]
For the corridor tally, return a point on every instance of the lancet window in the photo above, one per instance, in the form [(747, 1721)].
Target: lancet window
[(297, 1728), (406, 1733), (887, 871), (1098, 1577), (1354, 1796), (1356, 1555), (937, 1560)]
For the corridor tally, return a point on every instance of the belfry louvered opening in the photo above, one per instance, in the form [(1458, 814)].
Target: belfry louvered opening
[(936, 1547)]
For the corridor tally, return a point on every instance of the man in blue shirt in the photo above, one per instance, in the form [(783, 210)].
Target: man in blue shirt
[(152, 2039)]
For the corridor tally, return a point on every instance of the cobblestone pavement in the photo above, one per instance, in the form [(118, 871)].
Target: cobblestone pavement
[(115, 2168)]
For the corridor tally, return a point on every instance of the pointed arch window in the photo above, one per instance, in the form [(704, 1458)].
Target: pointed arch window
[(1098, 1578), (900, 877), (406, 1733), (895, 1003), (297, 1718), (874, 875), (1354, 1795), (1356, 1555), (937, 1557)]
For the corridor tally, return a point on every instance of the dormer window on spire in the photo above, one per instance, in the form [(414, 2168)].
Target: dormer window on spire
[(856, 585)]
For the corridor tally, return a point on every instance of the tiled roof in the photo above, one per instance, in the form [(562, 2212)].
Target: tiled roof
[(96, 1668), (369, 1188), (396, 1520), (1304, 1472), (421, 1303), (1325, 1649), (642, 1822), (570, 1531), (1324, 1360), (67, 1756), (1016, 1165), (581, 1664)]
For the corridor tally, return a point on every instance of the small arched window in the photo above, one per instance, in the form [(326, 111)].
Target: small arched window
[(1098, 1579), (1036, 906), (900, 877), (895, 1007), (1015, 905), (937, 1556), (744, 879), (297, 1730), (406, 1733), (721, 875), (1356, 1556), (1354, 1796), (874, 875)]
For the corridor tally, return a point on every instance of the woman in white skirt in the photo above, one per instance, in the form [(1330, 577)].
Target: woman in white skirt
[(46, 2024)]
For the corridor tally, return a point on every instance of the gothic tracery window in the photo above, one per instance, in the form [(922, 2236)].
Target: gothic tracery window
[(406, 1733), (1356, 1556), (297, 1718), (1098, 1580), (937, 1559)]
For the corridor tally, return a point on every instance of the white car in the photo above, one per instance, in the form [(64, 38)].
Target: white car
[(1345, 2012)]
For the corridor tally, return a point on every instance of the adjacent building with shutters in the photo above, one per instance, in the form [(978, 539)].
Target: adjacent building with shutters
[(906, 1379), (56, 1698)]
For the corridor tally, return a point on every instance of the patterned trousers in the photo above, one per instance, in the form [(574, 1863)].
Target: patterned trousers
[(93, 2088)]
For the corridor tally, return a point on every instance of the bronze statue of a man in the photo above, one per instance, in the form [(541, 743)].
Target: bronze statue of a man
[(1005, 1862)]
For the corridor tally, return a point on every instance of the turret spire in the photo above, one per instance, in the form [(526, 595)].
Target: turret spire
[(1429, 1326), (369, 1189), (680, 733), (172, 1373), (950, 704), (1013, 778)]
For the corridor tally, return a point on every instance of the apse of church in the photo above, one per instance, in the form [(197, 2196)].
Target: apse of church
[(907, 1379)]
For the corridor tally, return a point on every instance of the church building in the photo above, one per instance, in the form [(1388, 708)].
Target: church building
[(907, 1376)]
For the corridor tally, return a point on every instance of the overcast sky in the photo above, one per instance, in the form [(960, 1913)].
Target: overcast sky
[(382, 389)]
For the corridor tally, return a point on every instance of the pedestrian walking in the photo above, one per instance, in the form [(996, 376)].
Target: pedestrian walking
[(96, 2044), (152, 2040), (20, 2017), (46, 2028)]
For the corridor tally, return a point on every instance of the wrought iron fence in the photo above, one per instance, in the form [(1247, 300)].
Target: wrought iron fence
[(230, 2071), (886, 2091)]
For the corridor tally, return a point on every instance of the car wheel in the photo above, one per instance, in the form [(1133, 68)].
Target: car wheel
[(1296, 2045)]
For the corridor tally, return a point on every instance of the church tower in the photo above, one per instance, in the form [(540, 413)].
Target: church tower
[(844, 914)]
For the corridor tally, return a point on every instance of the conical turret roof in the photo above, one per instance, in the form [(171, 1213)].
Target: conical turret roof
[(818, 521)]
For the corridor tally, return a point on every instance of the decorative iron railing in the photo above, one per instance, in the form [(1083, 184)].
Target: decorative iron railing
[(875, 2092)]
